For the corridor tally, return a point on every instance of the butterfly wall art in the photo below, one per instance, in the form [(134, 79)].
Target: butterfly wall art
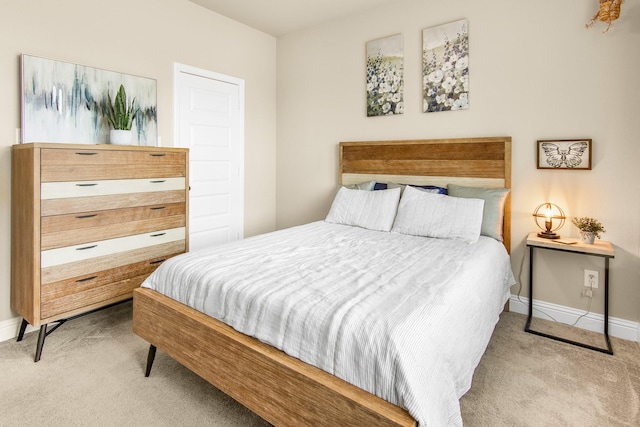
[(572, 154)]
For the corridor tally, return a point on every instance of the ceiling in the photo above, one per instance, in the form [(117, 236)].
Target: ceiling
[(279, 17)]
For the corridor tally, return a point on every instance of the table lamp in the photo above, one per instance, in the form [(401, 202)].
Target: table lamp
[(549, 212)]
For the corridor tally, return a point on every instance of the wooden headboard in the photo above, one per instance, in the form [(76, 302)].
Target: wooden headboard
[(472, 162)]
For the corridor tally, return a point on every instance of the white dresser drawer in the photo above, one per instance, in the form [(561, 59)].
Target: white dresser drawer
[(65, 190), (69, 254)]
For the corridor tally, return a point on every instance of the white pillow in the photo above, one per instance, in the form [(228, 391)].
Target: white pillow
[(437, 215), (374, 210)]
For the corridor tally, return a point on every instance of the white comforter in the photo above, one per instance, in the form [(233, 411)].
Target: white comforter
[(405, 318)]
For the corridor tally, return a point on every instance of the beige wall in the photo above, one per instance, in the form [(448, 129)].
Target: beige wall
[(535, 73), (143, 38)]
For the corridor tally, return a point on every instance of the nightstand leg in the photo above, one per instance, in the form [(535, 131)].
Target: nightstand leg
[(527, 327), (606, 305)]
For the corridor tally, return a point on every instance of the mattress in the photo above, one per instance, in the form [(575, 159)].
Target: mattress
[(403, 317)]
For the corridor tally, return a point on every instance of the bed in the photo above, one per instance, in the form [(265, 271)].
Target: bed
[(286, 391)]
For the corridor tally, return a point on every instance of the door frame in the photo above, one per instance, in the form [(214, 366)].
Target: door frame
[(200, 72)]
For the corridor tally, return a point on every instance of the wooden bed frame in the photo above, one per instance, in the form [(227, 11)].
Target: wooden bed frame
[(282, 389)]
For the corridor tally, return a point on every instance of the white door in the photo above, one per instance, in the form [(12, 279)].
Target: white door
[(209, 120)]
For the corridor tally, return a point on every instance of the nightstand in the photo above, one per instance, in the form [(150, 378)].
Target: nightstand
[(598, 249)]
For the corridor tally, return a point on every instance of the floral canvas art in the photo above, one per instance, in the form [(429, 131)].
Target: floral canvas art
[(385, 76), (445, 67)]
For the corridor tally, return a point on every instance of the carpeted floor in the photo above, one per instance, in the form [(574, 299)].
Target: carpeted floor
[(527, 380), (92, 374)]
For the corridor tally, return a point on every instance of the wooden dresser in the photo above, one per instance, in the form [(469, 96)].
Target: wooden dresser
[(89, 223)]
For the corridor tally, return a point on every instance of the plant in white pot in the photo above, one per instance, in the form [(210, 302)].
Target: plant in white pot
[(120, 116), (590, 228)]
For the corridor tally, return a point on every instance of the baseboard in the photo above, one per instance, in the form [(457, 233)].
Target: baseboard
[(9, 328), (619, 328)]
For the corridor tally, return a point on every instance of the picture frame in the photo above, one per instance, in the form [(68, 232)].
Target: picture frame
[(385, 76), (571, 154), (65, 102), (445, 67)]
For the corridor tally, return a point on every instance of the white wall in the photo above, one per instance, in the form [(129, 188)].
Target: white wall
[(142, 38), (535, 73)]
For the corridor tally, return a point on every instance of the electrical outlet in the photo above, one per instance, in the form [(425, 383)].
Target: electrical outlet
[(591, 279)]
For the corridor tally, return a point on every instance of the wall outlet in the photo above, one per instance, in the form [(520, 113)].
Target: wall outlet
[(591, 279)]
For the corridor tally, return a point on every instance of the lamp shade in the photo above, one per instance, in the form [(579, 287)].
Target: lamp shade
[(549, 218)]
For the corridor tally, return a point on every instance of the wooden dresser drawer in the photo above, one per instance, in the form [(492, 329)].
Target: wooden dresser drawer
[(89, 164), (73, 229), (112, 201), (84, 291)]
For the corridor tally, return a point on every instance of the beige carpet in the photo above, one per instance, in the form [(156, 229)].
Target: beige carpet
[(91, 374)]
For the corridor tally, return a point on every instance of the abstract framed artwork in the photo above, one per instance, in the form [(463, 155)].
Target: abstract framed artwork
[(65, 102), (445, 67), (574, 154), (385, 76)]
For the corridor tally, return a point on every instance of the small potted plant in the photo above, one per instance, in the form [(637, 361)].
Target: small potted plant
[(590, 228), (120, 116)]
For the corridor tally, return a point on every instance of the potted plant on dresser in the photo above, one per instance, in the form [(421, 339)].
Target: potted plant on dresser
[(590, 228), (120, 116)]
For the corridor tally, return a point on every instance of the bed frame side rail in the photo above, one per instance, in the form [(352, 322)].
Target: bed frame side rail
[(279, 388)]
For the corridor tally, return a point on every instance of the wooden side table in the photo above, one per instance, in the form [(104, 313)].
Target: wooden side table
[(599, 249)]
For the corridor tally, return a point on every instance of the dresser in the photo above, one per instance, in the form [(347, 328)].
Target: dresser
[(88, 224)]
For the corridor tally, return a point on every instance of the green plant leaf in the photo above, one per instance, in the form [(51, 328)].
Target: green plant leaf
[(120, 115)]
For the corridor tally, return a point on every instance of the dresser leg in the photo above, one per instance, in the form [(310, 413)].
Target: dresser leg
[(41, 336), (150, 357), (45, 333), (23, 327)]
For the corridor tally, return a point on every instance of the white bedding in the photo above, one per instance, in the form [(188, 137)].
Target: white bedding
[(406, 318)]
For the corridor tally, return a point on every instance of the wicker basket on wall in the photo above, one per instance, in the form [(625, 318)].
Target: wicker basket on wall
[(609, 11)]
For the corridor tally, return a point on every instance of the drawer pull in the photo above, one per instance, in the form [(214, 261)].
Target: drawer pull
[(86, 154), (158, 261), (158, 234), (157, 208), (86, 279), (158, 181), (86, 247), (86, 216), (158, 154), (87, 185)]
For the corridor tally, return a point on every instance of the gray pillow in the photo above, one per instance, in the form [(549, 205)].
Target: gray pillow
[(368, 186), (493, 213)]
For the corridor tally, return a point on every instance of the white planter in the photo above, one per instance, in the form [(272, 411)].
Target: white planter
[(588, 237), (120, 137)]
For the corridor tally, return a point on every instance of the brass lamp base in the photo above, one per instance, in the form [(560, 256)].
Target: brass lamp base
[(548, 235)]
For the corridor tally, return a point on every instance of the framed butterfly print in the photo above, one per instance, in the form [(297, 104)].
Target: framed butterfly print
[(564, 154)]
